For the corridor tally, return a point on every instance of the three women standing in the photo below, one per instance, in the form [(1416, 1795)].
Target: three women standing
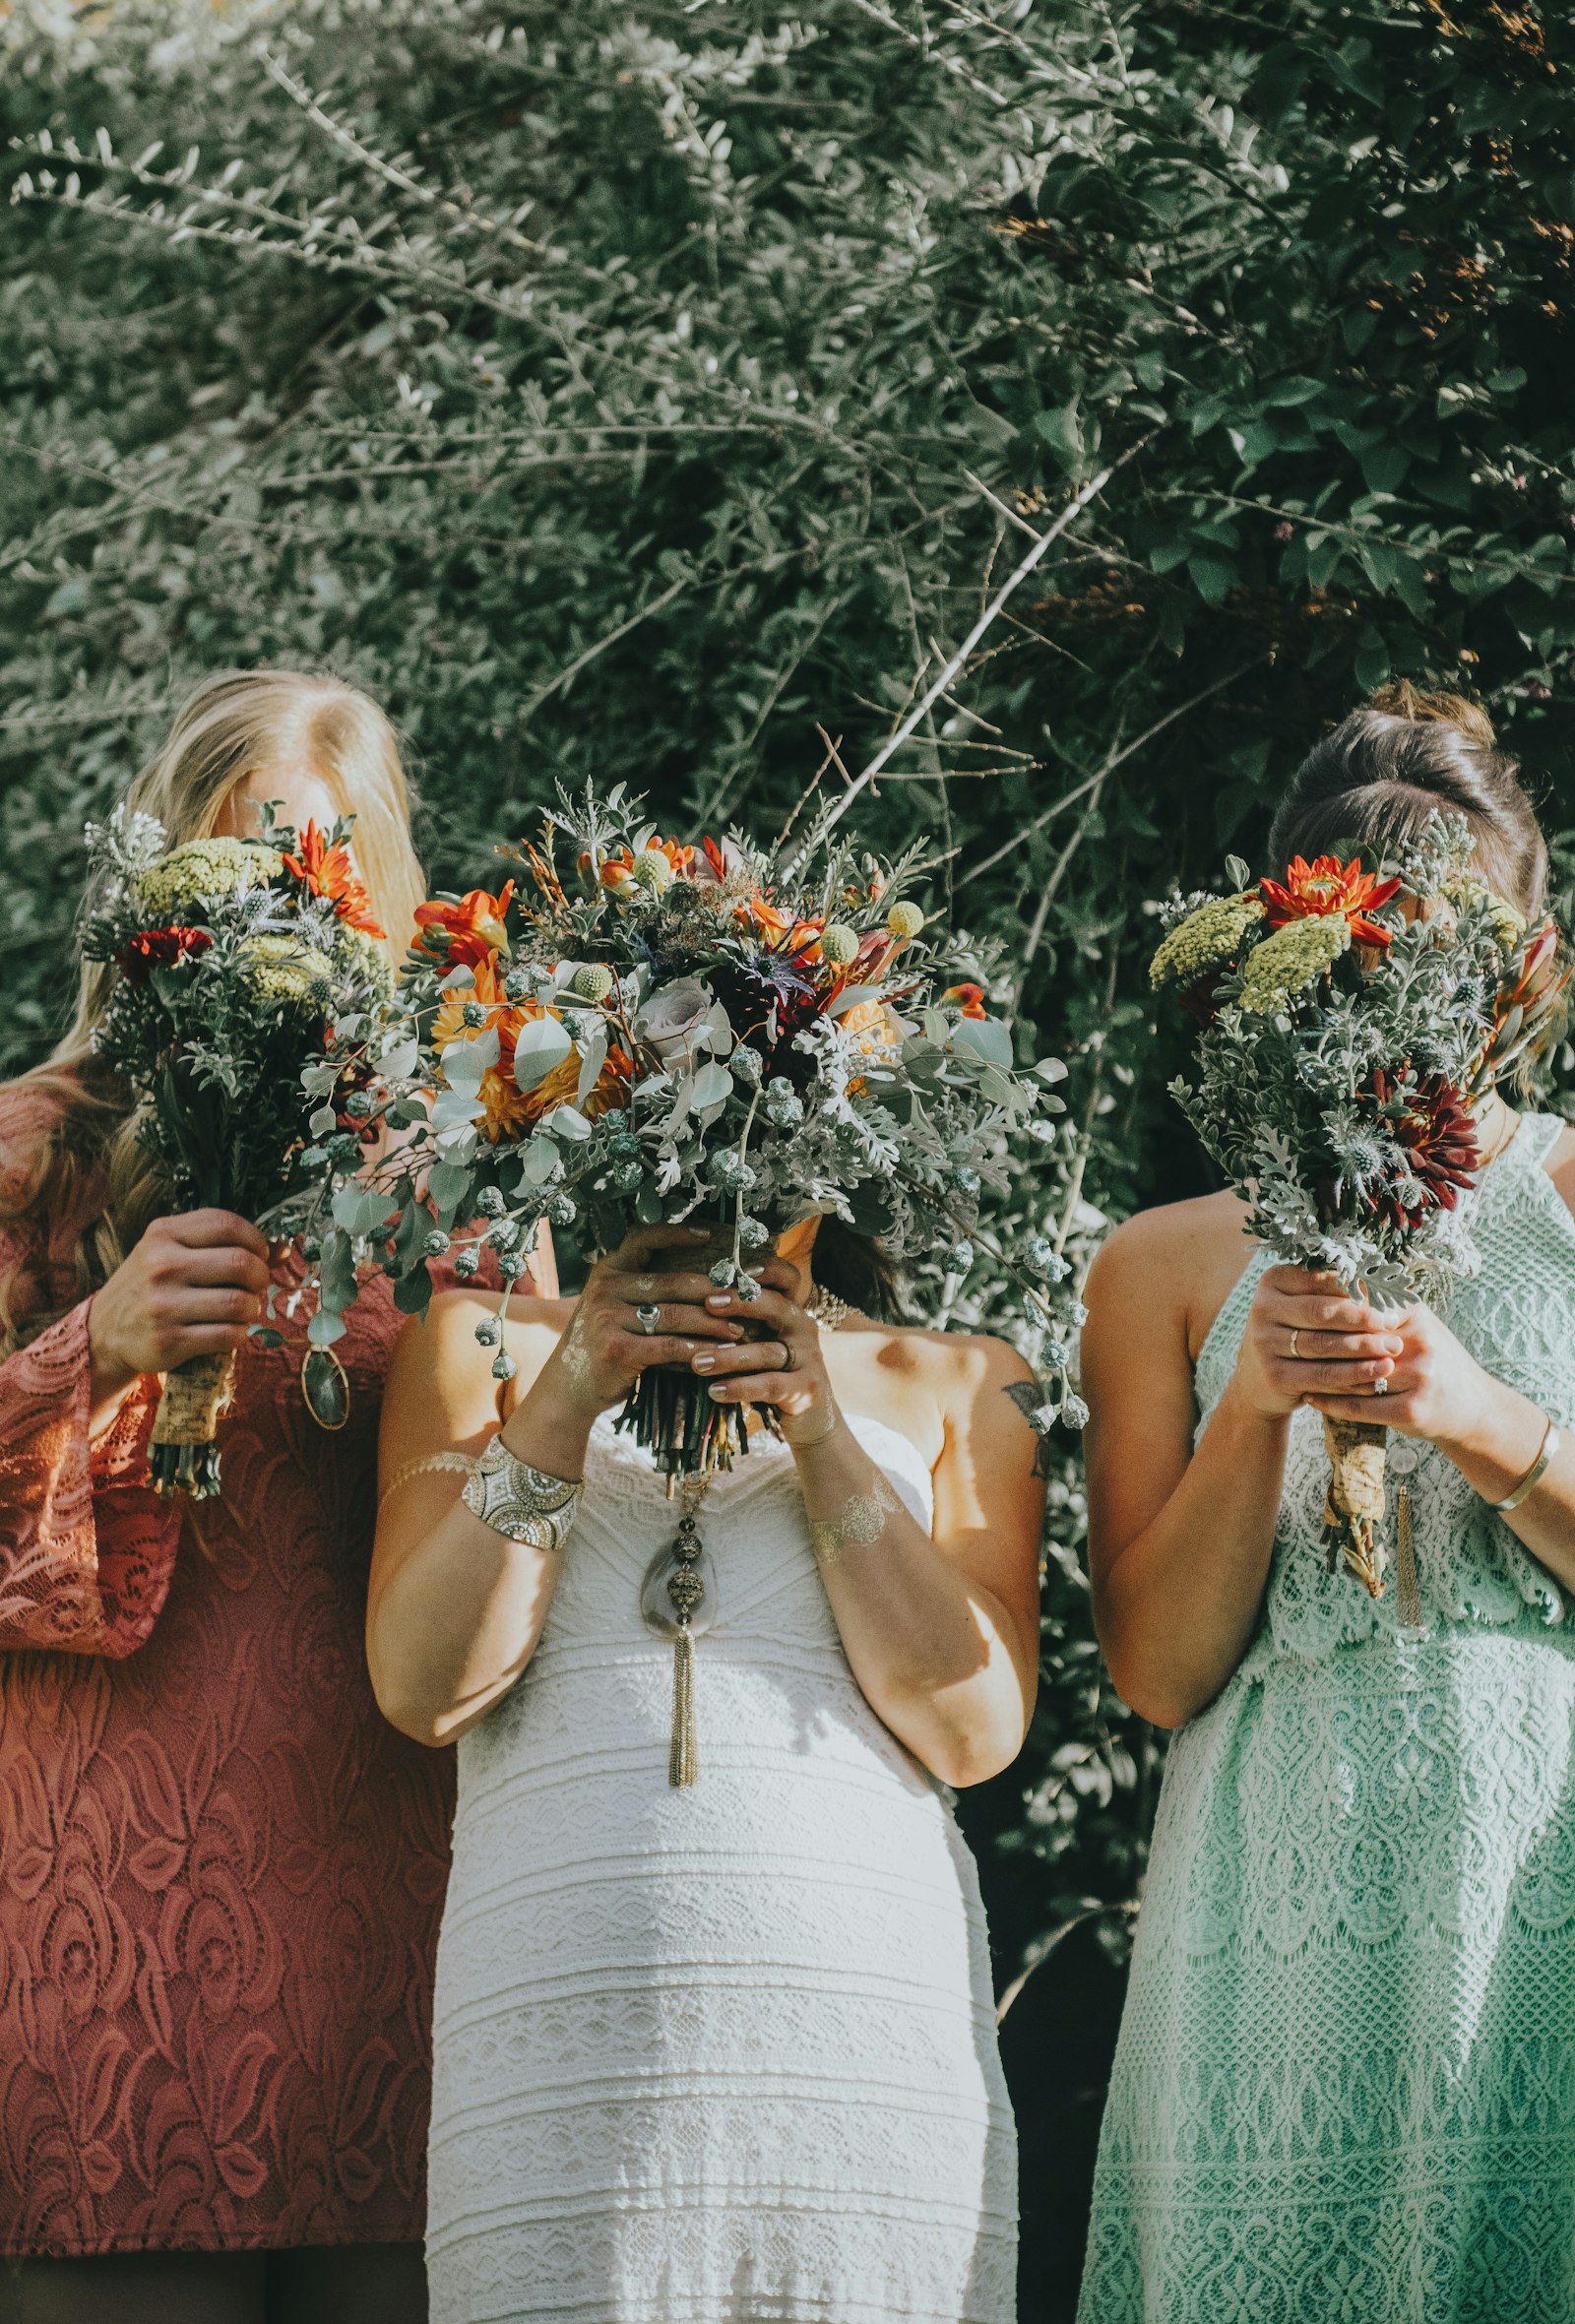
[(1345, 2087), (221, 1871)]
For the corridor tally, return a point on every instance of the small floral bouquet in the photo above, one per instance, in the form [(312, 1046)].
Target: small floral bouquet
[(655, 1032), (237, 964), (1350, 1020)]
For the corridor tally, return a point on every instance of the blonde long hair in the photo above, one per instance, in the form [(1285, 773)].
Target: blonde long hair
[(238, 726)]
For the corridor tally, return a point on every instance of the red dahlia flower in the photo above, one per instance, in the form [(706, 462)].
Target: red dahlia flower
[(1327, 888), (1433, 1123), (160, 948), (328, 871)]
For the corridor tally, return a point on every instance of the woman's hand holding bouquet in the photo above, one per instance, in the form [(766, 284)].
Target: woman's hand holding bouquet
[(191, 1288), (1352, 1023), (673, 1036), (244, 976)]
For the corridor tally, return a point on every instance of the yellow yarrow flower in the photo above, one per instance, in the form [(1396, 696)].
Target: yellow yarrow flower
[(285, 973), (1292, 958), (1205, 942), (204, 867)]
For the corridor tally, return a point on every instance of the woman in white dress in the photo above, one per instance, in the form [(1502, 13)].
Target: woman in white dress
[(714, 2044)]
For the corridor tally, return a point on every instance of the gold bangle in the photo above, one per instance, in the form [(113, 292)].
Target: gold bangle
[(1534, 1474)]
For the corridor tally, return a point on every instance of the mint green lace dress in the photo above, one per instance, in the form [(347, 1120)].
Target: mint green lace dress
[(1345, 2087)]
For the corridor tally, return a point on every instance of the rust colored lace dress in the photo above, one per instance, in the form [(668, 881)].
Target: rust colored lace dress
[(221, 1871)]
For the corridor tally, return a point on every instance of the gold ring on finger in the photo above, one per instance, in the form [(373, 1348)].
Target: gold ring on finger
[(1295, 1334)]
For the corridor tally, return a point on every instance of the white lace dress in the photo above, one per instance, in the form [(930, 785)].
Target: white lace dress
[(722, 2055)]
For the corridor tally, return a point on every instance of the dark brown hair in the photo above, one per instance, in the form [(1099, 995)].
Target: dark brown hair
[(1404, 756)]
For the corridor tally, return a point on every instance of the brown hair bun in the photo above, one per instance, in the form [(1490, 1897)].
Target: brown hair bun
[(1407, 754)]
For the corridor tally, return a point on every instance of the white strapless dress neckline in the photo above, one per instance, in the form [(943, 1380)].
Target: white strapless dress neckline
[(724, 2055)]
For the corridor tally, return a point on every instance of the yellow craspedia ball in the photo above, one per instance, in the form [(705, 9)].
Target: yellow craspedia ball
[(653, 871), (204, 867), (839, 944), (284, 973), (905, 920), (592, 983)]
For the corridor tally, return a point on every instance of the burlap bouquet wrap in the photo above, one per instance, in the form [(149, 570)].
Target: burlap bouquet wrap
[(182, 1455)]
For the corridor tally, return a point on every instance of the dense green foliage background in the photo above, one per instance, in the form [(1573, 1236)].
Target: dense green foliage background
[(635, 392)]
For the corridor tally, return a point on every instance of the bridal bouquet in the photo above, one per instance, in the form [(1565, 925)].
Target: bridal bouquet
[(634, 1030), (236, 965), (1350, 1021)]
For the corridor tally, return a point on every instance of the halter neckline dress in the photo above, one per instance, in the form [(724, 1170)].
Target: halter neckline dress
[(1345, 2087)]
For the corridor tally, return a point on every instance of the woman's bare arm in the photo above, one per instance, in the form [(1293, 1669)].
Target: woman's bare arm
[(1180, 1541)]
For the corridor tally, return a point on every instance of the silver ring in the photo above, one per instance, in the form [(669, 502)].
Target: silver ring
[(648, 1315), (1295, 1334), (1380, 1387)]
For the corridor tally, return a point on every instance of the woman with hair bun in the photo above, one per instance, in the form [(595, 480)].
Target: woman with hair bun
[(1345, 2085), (220, 1872)]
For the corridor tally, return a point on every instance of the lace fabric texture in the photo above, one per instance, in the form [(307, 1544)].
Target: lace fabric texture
[(724, 2055), (1345, 2087), (221, 1871)]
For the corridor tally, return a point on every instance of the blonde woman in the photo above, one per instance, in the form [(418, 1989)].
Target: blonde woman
[(220, 1871)]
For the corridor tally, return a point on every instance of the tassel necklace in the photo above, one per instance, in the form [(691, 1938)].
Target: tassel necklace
[(678, 1596)]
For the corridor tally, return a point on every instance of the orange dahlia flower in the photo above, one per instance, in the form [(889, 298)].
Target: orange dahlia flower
[(328, 871), (1327, 889), (475, 927)]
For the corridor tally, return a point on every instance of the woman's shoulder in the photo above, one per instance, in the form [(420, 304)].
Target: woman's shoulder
[(30, 1112), (1175, 1263), (960, 1357)]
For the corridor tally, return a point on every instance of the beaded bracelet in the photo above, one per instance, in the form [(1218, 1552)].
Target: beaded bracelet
[(522, 1503)]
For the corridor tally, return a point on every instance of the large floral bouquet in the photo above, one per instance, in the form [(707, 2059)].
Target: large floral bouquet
[(237, 966), (1350, 1019), (636, 1029)]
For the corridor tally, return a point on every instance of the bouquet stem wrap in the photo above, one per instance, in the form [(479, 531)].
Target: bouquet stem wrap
[(182, 1456), (1353, 1508)]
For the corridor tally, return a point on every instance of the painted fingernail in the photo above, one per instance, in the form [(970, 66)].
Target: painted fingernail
[(718, 1300), (719, 1390), (704, 1364)]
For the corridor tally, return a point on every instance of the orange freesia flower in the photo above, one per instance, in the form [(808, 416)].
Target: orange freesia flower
[(1327, 889), (328, 871), (475, 926), (970, 998), (777, 930)]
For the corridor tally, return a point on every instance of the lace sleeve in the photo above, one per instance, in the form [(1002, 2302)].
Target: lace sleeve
[(85, 1551)]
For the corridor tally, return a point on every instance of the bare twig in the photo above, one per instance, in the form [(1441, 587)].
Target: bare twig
[(959, 660), (573, 669), (1068, 798)]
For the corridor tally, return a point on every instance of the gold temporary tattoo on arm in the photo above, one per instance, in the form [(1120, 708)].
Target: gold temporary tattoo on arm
[(859, 1524), (573, 1354)]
